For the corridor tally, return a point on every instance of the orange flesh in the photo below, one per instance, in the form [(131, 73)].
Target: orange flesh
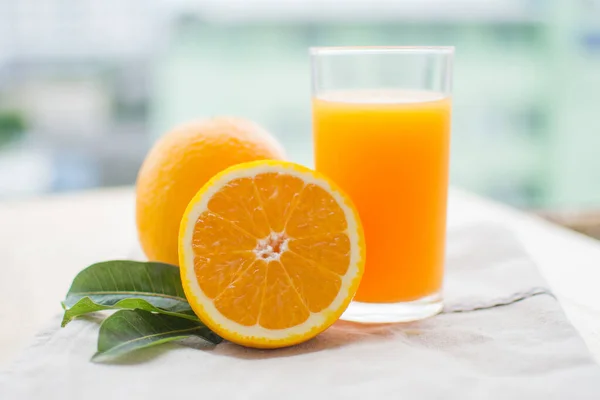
[(389, 152), (269, 250)]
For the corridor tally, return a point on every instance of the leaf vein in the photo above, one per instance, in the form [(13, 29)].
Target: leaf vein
[(155, 335), (150, 294)]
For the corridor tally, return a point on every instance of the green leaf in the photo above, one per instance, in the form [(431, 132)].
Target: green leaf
[(129, 330), (107, 284), (86, 306)]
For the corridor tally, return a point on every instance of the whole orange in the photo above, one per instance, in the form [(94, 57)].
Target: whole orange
[(179, 164)]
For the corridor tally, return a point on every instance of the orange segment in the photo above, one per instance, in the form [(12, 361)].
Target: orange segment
[(238, 202), (241, 301), (217, 271), (316, 285), (213, 234), (329, 250), (285, 307), (271, 253), (315, 212), (278, 192)]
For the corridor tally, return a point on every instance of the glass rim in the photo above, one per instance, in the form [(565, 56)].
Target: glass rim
[(333, 50)]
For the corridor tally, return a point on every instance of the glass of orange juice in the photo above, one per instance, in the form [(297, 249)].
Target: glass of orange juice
[(381, 123)]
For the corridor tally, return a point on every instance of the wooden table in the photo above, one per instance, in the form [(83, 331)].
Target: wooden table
[(46, 241)]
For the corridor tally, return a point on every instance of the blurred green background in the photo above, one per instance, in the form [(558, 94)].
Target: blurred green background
[(87, 86)]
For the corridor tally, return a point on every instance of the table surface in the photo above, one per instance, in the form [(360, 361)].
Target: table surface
[(46, 241)]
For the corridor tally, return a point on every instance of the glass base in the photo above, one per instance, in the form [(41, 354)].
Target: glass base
[(381, 313)]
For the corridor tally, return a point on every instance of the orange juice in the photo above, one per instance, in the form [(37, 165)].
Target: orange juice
[(389, 151)]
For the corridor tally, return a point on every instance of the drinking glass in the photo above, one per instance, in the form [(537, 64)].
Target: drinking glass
[(381, 127)]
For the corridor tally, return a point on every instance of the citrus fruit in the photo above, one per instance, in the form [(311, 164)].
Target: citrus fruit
[(271, 253), (179, 164)]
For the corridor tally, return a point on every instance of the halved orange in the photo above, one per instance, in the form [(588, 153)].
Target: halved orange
[(271, 253)]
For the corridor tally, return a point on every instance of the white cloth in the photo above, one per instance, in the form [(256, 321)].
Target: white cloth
[(525, 350)]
